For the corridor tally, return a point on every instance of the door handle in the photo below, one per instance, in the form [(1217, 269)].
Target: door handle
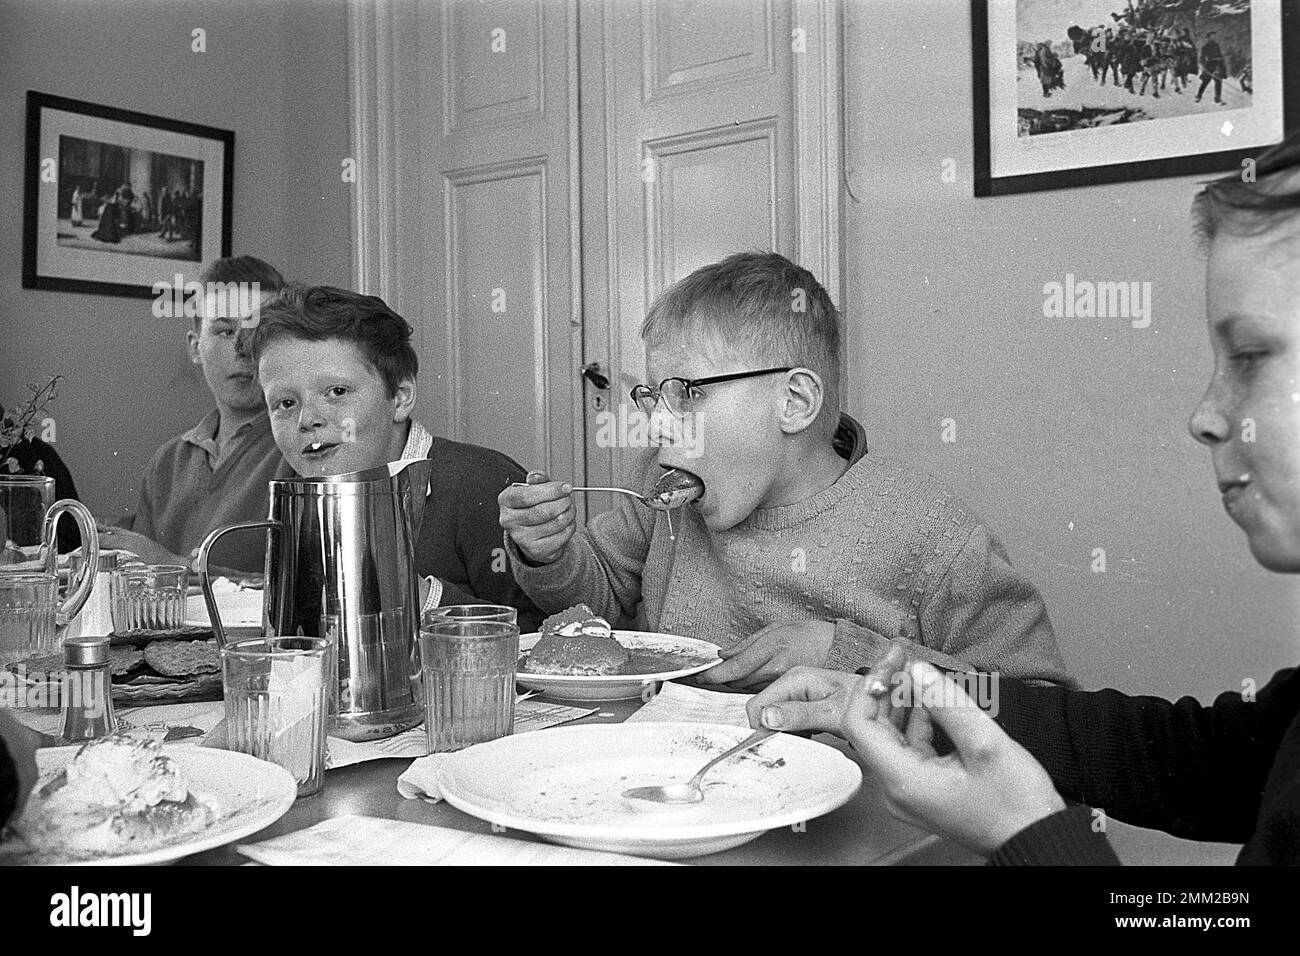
[(592, 373)]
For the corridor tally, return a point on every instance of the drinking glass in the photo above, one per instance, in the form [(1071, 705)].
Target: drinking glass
[(469, 681), (28, 604), (276, 704), (24, 500), (473, 612), (149, 597)]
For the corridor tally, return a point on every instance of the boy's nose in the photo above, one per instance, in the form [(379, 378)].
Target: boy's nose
[(1208, 425), (309, 419), (663, 425)]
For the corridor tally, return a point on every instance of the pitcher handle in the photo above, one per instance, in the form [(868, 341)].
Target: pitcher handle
[(79, 593), (218, 630)]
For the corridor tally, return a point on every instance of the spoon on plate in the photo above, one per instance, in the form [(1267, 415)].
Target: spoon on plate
[(692, 792)]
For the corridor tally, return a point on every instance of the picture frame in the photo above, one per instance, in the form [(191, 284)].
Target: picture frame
[(116, 201), (1045, 120)]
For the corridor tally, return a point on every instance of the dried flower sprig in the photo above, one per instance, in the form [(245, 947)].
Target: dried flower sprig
[(17, 424)]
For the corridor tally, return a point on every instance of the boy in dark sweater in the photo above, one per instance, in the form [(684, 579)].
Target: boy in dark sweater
[(338, 372), (1226, 772)]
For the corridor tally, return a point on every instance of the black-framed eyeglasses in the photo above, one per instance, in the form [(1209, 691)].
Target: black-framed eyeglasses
[(678, 393)]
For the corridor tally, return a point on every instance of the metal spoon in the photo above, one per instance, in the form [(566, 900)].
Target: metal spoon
[(691, 792), (664, 501)]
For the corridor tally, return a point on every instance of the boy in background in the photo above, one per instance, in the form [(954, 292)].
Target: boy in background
[(217, 472), (803, 549)]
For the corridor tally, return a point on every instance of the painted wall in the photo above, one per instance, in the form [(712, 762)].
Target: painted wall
[(1071, 433), (276, 74)]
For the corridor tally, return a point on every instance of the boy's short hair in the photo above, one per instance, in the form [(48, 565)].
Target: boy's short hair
[(764, 305), (320, 313), (1243, 207), (241, 269)]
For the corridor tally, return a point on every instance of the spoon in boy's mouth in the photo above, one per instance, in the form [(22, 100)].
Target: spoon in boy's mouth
[(674, 488)]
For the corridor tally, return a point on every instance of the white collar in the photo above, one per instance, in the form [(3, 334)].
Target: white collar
[(418, 441)]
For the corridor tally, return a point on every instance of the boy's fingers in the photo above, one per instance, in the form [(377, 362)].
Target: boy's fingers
[(534, 514), (796, 715), (796, 684), (742, 665), (741, 645), (920, 732), (972, 731)]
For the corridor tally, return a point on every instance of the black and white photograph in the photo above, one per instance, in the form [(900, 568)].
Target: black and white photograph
[(1073, 92), (115, 201), (669, 433), (155, 208)]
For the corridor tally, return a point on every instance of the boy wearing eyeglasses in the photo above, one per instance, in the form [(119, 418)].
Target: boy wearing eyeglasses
[(802, 549)]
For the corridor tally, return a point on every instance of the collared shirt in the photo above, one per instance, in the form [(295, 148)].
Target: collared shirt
[(188, 489)]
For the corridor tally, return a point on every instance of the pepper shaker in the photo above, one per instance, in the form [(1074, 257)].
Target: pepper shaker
[(87, 697)]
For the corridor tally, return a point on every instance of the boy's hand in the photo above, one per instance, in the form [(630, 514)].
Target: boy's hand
[(148, 550), (538, 516), (981, 795), (810, 698), (768, 653)]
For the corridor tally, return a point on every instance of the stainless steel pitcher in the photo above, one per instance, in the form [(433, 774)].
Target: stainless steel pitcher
[(340, 564)]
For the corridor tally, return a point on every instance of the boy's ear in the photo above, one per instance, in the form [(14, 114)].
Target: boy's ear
[(404, 400), (192, 346), (803, 400)]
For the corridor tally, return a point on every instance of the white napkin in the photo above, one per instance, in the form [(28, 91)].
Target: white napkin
[(420, 780), (370, 841), (675, 702)]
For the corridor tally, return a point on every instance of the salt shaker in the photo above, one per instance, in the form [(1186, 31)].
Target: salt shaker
[(86, 696), (96, 616)]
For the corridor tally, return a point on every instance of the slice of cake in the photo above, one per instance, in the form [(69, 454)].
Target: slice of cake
[(576, 642)]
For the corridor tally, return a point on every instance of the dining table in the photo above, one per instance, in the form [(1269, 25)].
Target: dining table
[(861, 832)]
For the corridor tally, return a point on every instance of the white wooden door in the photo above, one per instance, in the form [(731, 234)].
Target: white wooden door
[(474, 181)]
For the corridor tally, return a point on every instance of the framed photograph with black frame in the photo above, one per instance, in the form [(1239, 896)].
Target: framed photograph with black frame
[(115, 201), (1080, 92)]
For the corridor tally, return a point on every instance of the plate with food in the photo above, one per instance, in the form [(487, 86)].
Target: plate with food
[(124, 800), (578, 656), (567, 786)]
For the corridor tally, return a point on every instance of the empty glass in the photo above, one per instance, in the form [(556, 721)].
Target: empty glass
[(277, 704), (150, 597), (469, 681), (473, 612), (28, 603)]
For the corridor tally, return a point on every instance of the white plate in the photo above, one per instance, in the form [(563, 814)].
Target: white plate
[(700, 656), (238, 609), (249, 795), (566, 785)]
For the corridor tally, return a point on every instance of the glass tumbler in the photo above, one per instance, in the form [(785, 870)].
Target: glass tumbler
[(276, 691), (469, 681)]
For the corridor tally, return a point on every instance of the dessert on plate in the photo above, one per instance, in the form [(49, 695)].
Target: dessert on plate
[(576, 642), (119, 795)]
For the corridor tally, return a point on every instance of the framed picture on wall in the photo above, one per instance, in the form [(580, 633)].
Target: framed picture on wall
[(1079, 92), (116, 201)]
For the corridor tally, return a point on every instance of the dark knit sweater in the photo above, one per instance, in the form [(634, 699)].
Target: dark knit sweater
[(1229, 772), (460, 535)]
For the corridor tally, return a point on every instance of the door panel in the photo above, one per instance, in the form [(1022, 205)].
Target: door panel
[(500, 242), (694, 157), (497, 308)]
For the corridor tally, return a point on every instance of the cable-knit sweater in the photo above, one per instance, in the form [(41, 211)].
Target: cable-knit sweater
[(884, 552)]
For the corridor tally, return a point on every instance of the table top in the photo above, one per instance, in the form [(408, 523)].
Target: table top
[(862, 832)]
